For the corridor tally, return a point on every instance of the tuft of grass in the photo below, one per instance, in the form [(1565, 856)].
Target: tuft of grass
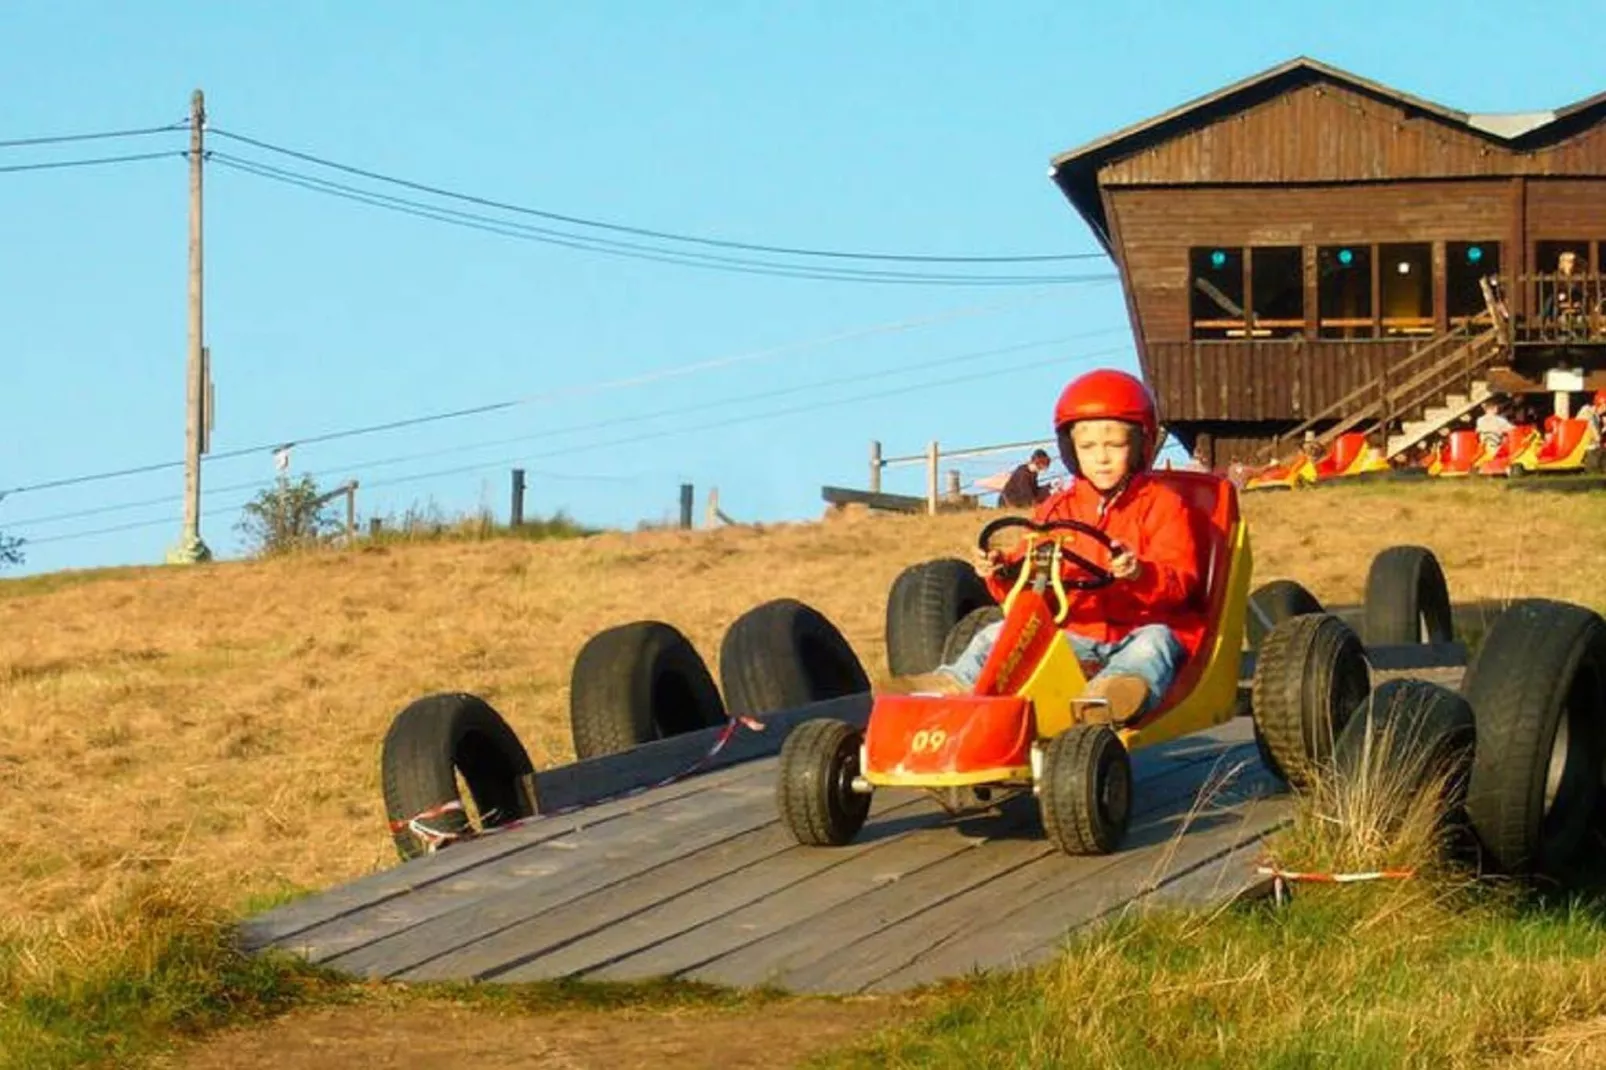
[(155, 966), (1356, 977), (428, 524)]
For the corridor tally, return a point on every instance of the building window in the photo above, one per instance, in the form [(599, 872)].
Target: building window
[(1407, 288), (1344, 291), (1277, 278), (1216, 286), (1466, 263)]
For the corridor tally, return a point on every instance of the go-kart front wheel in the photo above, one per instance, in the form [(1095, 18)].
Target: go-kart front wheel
[(1085, 790), (814, 788)]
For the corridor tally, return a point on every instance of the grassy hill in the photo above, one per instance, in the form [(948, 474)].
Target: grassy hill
[(219, 726)]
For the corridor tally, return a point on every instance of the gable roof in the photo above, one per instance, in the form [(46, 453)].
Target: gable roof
[(1076, 171)]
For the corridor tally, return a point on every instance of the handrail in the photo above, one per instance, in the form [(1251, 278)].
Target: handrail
[(1461, 333)]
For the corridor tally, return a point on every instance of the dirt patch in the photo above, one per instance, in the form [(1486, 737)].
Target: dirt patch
[(424, 1036)]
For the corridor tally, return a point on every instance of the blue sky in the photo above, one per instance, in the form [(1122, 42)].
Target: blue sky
[(900, 127)]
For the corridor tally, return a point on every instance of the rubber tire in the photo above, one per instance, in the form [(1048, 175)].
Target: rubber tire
[(636, 683), (1412, 731), (1085, 767), (1406, 596), (1279, 600), (785, 654), (440, 735), (925, 603), (1542, 664), (1310, 675), (818, 761), (1267, 759), (963, 632)]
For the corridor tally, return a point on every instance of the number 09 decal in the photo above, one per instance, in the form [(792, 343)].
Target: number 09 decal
[(927, 741)]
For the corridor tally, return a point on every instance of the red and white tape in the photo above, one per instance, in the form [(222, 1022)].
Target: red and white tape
[(434, 839), (1281, 878)]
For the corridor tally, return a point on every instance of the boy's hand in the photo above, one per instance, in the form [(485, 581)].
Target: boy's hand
[(987, 562), (1124, 564)]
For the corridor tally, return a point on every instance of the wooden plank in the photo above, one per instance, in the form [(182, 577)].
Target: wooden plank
[(1034, 920), (585, 782), (903, 921), (644, 910), (274, 926), (898, 503), (749, 946), (432, 919)]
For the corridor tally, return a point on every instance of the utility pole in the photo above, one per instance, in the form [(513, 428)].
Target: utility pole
[(191, 549)]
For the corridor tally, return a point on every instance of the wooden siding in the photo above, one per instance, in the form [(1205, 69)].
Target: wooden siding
[(1566, 208), (1272, 380), (1157, 226), (1330, 133)]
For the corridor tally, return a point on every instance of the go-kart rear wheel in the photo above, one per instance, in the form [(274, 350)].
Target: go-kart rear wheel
[(963, 632), (1272, 603), (1085, 790), (814, 787), (1310, 675), (1538, 690), (1407, 599)]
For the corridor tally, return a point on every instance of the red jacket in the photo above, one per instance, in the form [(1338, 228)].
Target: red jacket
[(1152, 521)]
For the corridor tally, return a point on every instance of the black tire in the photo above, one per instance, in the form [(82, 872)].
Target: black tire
[(1538, 689), (785, 654), (966, 630), (1405, 736), (1267, 758), (1276, 602), (925, 603), (427, 745), (1310, 675), (813, 788), (1085, 794), (1407, 600), (636, 683)]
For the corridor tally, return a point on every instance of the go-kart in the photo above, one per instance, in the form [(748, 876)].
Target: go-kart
[(1027, 725), (1566, 446)]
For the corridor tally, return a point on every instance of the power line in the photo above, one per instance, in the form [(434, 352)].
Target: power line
[(644, 232), (93, 162), (628, 250), (990, 373), (363, 466), (747, 357), (60, 139)]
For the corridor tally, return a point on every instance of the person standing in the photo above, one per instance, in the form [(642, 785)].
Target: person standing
[(1023, 491)]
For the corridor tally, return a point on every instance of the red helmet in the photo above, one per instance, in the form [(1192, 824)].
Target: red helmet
[(1106, 394)]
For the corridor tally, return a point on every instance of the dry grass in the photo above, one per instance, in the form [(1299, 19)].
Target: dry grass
[(226, 720)]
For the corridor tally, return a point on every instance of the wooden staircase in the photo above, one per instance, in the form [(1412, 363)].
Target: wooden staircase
[(1438, 384)]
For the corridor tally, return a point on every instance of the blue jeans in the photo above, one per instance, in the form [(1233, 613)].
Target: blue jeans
[(1150, 652)]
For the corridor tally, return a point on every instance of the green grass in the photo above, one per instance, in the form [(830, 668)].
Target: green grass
[(1355, 977), (428, 524)]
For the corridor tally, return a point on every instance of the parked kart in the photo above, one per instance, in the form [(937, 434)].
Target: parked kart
[(1350, 456)]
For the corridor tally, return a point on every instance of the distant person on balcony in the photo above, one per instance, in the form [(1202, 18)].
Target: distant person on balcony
[(1566, 302), (1023, 491), (1492, 426)]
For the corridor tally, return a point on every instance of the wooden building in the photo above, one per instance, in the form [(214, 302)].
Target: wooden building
[(1309, 250)]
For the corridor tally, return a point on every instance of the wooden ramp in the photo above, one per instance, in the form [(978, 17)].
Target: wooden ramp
[(696, 879)]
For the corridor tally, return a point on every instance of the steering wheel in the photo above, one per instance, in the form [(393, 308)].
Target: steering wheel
[(1045, 551)]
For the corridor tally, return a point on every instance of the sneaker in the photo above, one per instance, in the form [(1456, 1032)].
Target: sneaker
[(925, 683), (1121, 697)]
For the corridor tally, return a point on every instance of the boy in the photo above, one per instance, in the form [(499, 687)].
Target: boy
[(1133, 630)]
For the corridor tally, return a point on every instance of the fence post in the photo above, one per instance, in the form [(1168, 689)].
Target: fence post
[(351, 511), (711, 514), (685, 505), (374, 524), (932, 456), (516, 514), (953, 483), (875, 467)]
